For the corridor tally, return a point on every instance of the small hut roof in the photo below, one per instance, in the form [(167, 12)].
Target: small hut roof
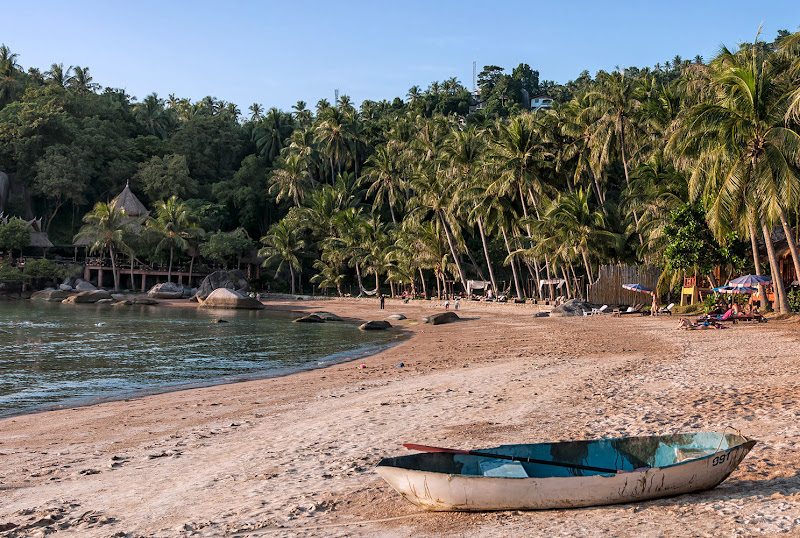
[(40, 239), (129, 203)]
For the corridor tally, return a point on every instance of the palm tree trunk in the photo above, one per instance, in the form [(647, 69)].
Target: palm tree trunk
[(762, 295), (113, 270), (291, 277), (424, 286), (792, 244), (589, 274), (358, 278), (777, 277), (566, 281), (577, 280), (475, 263), (333, 177), (438, 286), (377, 285), (453, 251), (486, 253), (391, 210), (169, 269), (513, 267), (191, 267)]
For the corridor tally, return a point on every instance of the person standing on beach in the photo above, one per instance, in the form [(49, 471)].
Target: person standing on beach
[(654, 306), (383, 300), (447, 304), (455, 304)]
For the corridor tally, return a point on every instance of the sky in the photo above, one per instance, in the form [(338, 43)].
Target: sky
[(278, 52)]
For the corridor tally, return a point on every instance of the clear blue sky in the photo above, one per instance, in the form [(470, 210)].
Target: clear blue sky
[(276, 53)]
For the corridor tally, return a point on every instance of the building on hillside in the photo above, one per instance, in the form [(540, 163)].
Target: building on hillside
[(541, 101), (39, 239), (475, 102), (129, 204)]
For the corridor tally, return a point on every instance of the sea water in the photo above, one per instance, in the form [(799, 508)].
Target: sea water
[(54, 355)]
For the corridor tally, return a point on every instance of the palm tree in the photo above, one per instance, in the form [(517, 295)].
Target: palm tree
[(384, 173), (616, 104), (9, 76), (742, 150), (331, 133), (291, 180), (176, 226), (283, 247), (59, 76), (104, 227), (579, 225), (152, 114), (81, 80), (271, 132), (256, 111), (414, 95)]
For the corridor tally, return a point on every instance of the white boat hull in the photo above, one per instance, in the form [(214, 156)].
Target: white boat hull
[(456, 492)]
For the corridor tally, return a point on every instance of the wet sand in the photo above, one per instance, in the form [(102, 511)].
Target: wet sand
[(295, 455)]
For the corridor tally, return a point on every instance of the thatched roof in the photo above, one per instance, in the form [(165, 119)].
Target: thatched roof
[(129, 203), (40, 239)]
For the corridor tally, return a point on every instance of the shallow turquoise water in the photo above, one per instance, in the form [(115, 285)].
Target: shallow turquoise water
[(54, 355)]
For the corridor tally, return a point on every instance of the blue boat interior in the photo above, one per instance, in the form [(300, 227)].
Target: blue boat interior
[(626, 453)]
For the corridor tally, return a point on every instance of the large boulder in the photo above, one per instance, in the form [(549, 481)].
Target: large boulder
[(147, 301), (311, 318), (573, 307), (396, 317), (227, 298), (51, 295), (375, 326), (327, 316), (232, 280), (444, 317), (82, 285), (88, 297), (65, 287), (166, 290)]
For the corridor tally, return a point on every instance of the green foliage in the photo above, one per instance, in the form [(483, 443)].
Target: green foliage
[(227, 247), (691, 246), (42, 269), (10, 274), (794, 300), (162, 177), (15, 235)]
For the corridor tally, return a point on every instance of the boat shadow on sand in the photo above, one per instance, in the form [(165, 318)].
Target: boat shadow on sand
[(731, 490)]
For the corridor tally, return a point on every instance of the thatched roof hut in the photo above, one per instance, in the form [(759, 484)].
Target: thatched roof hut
[(129, 203)]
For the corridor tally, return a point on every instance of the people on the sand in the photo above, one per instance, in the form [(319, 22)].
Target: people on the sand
[(383, 300), (447, 304), (455, 304), (654, 306), (736, 310), (687, 325)]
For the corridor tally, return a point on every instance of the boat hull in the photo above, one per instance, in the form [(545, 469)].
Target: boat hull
[(438, 491)]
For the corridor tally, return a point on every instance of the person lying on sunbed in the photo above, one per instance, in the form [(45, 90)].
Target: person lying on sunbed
[(687, 325)]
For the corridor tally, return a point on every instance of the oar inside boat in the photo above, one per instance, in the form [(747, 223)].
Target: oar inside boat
[(424, 448)]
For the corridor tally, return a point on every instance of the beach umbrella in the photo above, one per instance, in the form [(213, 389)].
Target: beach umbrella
[(749, 280), (735, 289), (637, 287)]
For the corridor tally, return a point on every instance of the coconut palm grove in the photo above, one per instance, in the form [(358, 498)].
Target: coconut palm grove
[(688, 165)]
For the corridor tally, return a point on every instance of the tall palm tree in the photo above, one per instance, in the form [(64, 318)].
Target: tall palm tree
[(384, 173), (256, 111), (744, 155), (283, 247), (271, 133), (81, 80), (104, 227), (332, 135), (152, 114), (9, 76), (291, 180), (58, 76), (176, 225)]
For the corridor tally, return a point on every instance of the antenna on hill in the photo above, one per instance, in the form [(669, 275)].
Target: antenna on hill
[(473, 76), (336, 97)]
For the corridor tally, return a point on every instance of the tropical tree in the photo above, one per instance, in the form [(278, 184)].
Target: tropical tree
[(176, 225), (384, 174), (283, 248), (104, 227), (291, 180)]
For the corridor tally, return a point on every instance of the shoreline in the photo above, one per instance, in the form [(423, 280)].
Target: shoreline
[(293, 455)]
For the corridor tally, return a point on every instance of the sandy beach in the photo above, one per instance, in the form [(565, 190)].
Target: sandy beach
[(295, 456)]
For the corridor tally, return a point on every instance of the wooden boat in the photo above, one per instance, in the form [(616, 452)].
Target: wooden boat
[(626, 469)]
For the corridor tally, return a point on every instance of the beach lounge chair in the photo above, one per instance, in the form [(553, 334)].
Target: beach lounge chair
[(716, 319), (635, 309), (596, 311), (667, 309)]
